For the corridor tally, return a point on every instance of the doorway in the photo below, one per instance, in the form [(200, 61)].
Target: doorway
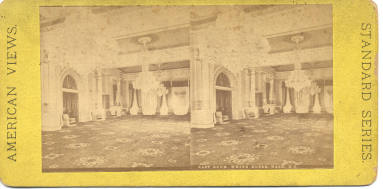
[(70, 99), (70, 105), (223, 102), (223, 96)]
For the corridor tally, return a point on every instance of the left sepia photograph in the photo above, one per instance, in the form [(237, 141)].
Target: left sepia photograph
[(106, 102)]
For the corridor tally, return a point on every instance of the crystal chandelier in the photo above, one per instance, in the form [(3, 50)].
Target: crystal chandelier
[(146, 81), (298, 79)]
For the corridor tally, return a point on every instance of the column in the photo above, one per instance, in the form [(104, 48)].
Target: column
[(264, 88), (264, 93), (118, 98), (271, 96), (118, 92), (252, 88), (253, 107), (271, 93), (246, 88), (237, 95), (259, 81), (51, 109), (259, 87), (200, 83), (100, 110), (281, 93), (127, 95)]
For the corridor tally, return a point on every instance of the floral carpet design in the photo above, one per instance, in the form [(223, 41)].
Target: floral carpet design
[(281, 141), (134, 142), (166, 143)]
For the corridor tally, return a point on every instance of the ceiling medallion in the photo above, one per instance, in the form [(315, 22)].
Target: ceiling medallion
[(297, 39), (144, 40)]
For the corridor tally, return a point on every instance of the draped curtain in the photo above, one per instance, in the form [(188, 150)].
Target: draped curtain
[(286, 90), (180, 100), (283, 93), (137, 96), (131, 92), (328, 98), (268, 88), (325, 87), (292, 97)]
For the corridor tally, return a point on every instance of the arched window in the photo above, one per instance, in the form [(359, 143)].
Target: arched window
[(69, 83), (222, 80)]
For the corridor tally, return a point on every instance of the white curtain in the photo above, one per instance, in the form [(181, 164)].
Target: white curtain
[(179, 100), (328, 101)]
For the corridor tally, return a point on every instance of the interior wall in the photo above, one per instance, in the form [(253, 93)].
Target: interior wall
[(52, 96), (67, 46)]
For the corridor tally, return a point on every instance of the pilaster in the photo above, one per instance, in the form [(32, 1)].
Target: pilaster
[(201, 113)]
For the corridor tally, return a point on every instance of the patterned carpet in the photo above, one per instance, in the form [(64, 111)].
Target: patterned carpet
[(154, 142), (114, 144), (278, 141)]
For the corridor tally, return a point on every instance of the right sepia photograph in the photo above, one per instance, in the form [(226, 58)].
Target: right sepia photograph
[(136, 88)]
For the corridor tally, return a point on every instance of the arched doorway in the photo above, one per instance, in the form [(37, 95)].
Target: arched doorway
[(223, 92), (70, 98)]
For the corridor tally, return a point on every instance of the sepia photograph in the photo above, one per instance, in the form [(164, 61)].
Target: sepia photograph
[(142, 88)]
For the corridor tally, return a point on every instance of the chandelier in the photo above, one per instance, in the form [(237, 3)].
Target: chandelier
[(145, 81), (298, 79)]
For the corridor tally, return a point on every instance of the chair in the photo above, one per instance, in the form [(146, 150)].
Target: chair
[(218, 117)]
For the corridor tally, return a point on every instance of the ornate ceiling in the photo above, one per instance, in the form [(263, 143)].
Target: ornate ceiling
[(312, 39), (167, 38), (107, 36), (156, 67), (305, 66)]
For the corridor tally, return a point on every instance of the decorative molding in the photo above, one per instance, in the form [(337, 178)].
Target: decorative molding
[(297, 31), (151, 32)]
